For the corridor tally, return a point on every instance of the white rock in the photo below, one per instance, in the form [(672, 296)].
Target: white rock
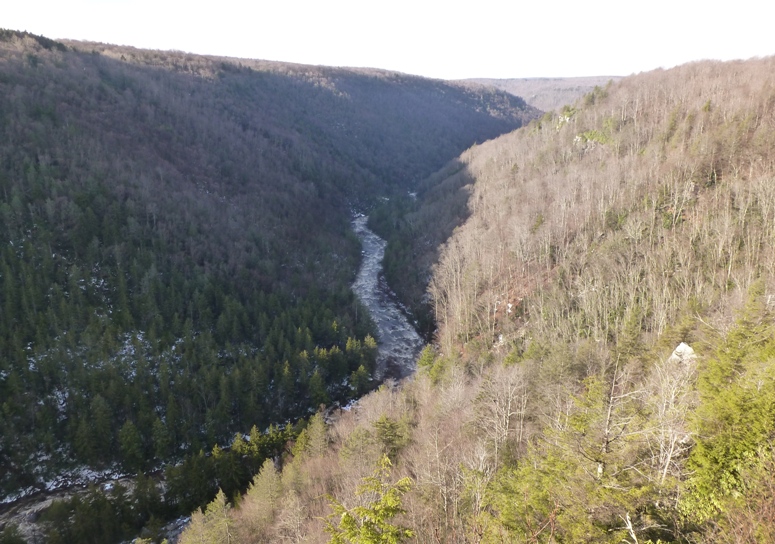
[(683, 354)]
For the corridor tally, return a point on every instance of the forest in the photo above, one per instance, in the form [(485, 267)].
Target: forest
[(603, 365), (597, 288), (177, 258)]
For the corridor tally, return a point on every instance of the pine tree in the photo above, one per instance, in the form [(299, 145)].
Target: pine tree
[(211, 526), (131, 447), (162, 443), (359, 381), (260, 503), (317, 390), (371, 524)]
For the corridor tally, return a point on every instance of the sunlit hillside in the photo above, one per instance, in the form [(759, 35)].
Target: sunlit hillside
[(643, 197), (605, 360)]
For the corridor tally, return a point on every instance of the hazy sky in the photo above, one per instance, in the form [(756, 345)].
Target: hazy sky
[(443, 39)]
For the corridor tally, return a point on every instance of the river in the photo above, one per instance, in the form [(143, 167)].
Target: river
[(398, 342)]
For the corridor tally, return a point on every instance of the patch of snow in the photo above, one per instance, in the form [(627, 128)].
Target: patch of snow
[(60, 397), (350, 405), (13, 497)]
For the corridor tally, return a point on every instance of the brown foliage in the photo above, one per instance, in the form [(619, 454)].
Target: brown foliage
[(655, 193)]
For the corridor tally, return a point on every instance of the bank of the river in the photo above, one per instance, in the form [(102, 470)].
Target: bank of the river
[(398, 342)]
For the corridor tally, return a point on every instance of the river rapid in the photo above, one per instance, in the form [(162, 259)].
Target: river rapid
[(398, 342)]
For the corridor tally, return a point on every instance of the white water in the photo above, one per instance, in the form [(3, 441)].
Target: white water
[(398, 342)]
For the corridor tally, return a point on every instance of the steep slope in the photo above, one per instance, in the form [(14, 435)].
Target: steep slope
[(605, 368), (638, 197), (178, 253)]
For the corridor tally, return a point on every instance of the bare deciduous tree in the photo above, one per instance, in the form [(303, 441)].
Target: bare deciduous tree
[(501, 407)]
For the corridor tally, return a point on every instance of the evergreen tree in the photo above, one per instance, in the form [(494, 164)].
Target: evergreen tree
[(211, 526), (735, 420), (261, 501), (131, 445), (162, 443), (317, 390), (372, 523), (360, 381)]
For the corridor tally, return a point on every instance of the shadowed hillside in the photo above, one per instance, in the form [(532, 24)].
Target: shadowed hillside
[(178, 253)]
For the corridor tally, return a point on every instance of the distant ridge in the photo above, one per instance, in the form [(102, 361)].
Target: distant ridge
[(548, 93)]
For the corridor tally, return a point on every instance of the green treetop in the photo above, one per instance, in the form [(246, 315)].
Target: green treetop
[(371, 524)]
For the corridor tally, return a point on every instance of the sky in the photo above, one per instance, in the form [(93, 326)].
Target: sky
[(440, 39)]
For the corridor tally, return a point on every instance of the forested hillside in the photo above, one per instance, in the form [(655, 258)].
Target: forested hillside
[(605, 359), (177, 254)]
